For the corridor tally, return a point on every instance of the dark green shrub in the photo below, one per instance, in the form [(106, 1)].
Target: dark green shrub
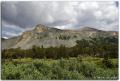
[(107, 63), (88, 69), (13, 76), (38, 65)]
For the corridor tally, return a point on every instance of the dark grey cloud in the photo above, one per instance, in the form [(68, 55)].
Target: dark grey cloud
[(117, 4), (20, 16)]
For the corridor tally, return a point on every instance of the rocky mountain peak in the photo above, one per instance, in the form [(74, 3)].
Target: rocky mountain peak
[(40, 28)]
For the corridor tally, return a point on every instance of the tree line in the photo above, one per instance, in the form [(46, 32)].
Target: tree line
[(98, 47)]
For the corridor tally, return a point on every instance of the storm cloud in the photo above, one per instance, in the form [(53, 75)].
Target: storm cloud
[(21, 16)]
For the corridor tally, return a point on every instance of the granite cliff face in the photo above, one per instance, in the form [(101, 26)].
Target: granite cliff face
[(49, 36)]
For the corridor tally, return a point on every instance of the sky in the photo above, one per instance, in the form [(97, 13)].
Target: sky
[(18, 17)]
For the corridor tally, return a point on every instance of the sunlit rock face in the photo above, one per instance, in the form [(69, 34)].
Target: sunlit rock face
[(40, 28), (26, 34)]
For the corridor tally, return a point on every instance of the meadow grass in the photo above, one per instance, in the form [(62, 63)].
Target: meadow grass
[(76, 68)]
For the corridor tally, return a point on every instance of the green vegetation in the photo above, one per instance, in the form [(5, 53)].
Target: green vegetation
[(94, 58), (64, 37), (61, 69)]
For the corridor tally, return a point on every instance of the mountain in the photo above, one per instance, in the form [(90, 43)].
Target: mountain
[(49, 36)]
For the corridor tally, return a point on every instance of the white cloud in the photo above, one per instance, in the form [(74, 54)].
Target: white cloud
[(65, 15), (98, 14)]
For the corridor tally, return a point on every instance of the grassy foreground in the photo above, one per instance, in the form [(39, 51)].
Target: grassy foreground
[(79, 68)]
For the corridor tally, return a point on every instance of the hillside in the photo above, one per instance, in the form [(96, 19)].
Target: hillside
[(49, 36)]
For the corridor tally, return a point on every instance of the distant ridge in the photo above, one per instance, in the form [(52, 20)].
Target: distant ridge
[(89, 29)]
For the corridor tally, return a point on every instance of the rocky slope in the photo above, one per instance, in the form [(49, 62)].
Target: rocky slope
[(49, 36)]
